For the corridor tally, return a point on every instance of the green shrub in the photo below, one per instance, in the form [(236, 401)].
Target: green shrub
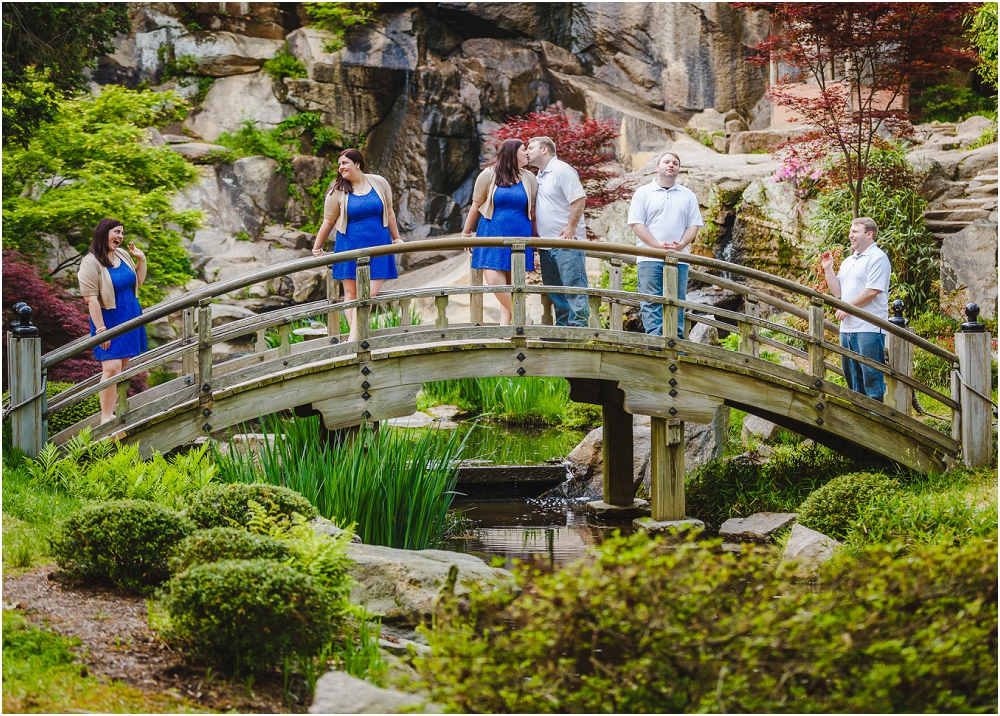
[(654, 628), (284, 65), (125, 541), (246, 615), (224, 505), (836, 505), (740, 486), (947, 103), (225, 543), (336, 18), (73, 414)]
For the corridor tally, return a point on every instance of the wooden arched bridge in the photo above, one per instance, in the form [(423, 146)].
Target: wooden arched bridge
[(378, 376)]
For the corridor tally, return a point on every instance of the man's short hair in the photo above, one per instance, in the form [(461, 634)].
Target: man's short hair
[(672, 154), (869, 225), (545, 142)]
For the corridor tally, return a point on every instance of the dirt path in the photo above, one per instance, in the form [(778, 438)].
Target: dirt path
[(117, 643)]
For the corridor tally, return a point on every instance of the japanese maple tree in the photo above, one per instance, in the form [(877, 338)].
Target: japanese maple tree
[(862, 57), (585, 144)]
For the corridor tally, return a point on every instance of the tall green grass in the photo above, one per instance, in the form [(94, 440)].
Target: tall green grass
[(527, 401), (395, 490)]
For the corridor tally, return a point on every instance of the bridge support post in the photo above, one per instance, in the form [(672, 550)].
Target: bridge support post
[(668, 327), (333, 293), (205, 365), (972, 346), (666, 464), (817, 368), (898, 395), (27, 386), (617, 452)]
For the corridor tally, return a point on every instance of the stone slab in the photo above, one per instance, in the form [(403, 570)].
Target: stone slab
[(603, 509), (756, 528), (337, 692), (667, 527)]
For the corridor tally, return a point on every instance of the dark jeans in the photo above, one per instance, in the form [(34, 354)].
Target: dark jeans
[(651, 282), (566, 267), (859, 377)]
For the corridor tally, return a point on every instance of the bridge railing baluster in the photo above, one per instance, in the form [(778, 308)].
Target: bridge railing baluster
[(333, 297), (518, 281), (187, 331), (817, 329), (547, 311), (285, 346), (669, 326), (898, 394), (363, 313), (441, 303), (205, 359), (615, 284), (405, 319), (749, 333), (476, 299), (593, 320)]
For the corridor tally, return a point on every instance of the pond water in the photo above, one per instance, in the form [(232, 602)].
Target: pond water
[(547, 532), (503, 444)]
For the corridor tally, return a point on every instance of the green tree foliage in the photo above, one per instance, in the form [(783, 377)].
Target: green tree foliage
[(982, 32), (54, 41), (649, 627), (93, 160), (337, 17)]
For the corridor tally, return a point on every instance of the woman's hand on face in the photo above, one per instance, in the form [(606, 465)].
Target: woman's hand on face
[(135, 252)]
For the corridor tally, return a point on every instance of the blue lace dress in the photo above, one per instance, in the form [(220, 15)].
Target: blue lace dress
[(126, 308), (510, 218), (364, 230)]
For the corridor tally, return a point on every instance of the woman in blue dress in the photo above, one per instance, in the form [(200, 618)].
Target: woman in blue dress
[(359, 207), (503, 200), (110, 278)]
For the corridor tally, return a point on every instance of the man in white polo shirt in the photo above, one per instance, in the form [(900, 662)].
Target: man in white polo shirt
[(863, 281), (663, 215), (559, 207)]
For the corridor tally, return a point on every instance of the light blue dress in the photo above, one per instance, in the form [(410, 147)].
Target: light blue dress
[(364, 230), (126, 308), (510, 218)]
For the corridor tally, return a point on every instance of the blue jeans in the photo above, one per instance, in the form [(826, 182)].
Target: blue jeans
[(861, 378), (566, 267), (651, 282)]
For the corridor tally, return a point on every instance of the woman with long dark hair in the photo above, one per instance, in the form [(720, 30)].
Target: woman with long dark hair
[(503, 201), (359, 207), (110, 278)]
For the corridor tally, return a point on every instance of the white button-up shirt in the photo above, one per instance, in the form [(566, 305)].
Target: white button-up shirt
[(558, 187), (667, 213), (869, 269)]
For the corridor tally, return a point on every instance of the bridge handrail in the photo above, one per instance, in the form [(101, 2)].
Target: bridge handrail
[(193, 298)]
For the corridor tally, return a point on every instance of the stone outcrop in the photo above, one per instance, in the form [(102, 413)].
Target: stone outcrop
[(337, 692), (220, 54), (969, 268), (403, 585), (234, 100), (758, 527)]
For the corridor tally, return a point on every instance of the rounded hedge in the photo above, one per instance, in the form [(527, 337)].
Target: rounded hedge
[(833, 507), (216, 505), (225, 543), (125, 541), (246, 615)]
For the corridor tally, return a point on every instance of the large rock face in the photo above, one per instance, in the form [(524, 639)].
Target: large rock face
[(234, 100), (969, 268)]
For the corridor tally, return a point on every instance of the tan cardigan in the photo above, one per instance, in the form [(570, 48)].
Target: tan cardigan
[(486, 185), (95, 280), (335, 207)]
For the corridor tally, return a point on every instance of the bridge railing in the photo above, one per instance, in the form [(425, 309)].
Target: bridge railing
[(766, 294)]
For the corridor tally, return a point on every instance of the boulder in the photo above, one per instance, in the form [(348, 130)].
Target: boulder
[(759, 527), (307, 169), (138, 57), (200, 152), (403, 585), (974, 126), (337, 692), (755, 428), (809, 549), (223, 314), (233, 100), (969, 268), (735, 125), (326, 528), (221, 54), (708, 120), (757, 142)]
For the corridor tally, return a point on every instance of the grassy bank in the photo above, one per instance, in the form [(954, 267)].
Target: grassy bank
[(521, 401)]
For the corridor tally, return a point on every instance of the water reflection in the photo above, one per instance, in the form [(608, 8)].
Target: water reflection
[(548, 533), (503, 444)]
